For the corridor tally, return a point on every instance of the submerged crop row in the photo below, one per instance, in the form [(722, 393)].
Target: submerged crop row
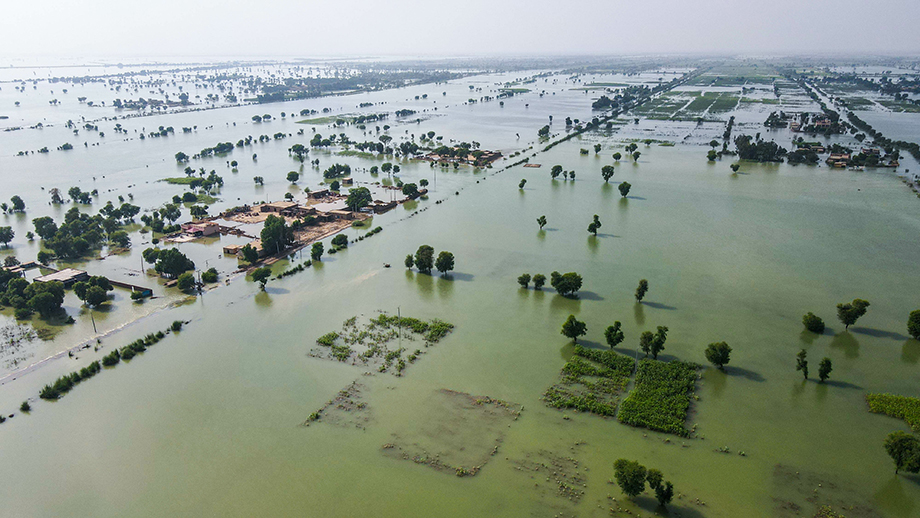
[(591, 382), (661, 399)]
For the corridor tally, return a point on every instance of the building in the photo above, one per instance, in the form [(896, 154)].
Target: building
[(278, 206), (320, 194), (202, 229), (348, 181), (341, 214), (68, 276)]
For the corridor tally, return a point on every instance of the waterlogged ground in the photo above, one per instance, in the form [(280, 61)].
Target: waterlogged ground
[(210, 420)]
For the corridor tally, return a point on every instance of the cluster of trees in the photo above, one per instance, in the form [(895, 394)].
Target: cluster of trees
[(566, 284), (169, 262), (16, 205), (276, 235), (557, 170), (81, 232), (337, 171), (93, 291), (904, 450), (6, 235), (360, 197), (538, 280), (632, 478), (824, 368), (759, 150), (847, 312), (424, 260), (45, 298)]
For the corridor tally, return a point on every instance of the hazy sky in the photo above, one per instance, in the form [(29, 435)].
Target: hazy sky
[(101, 28)]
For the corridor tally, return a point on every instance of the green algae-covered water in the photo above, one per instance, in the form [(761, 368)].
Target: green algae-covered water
[(209, 421)]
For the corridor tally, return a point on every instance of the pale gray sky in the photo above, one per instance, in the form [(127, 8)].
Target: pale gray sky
[(104, 28)]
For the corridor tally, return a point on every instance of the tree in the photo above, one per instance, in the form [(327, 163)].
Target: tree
[(538, 281), (276, 234), (913, 324), (904, 450), (565, 284), (524, 280), (718, 354), (641, 290), (555, 171), (250, 254), (181, 157), (424, 258), (543, 132), (636, 155), (654, 478), (849, 313), (209, 276), (664, 493), (409, 261), (617, 156), (18, 204), (45, 227), (624, 188), (444, 262), (171, 262), (316, 252), (630, 476), (594, 225), (645, 342), (801, 362), (258, 180), (358, 198), (334, 186), (261, 276), (410, 189), (6, 235), (607, 173), (813, 323), (614, 334), (340, 240), (541, 221), (522, 183), (735, 167), (572, 328), (824, 369), (293, 176), (186, 281), (95, 296), (597, 148), (299, 151), (657, 345), (712, 155)]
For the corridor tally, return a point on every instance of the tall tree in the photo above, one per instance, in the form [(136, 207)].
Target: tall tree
[(824, 369), (541, 221), (801, 362), (661, 335), (594, 225), (261, 275), (624, 188), (904, 450), (641, 290)]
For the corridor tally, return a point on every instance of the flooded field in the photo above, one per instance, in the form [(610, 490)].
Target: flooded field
[(211, 420)]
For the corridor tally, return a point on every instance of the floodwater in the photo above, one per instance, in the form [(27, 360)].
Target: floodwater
[(208, 421)]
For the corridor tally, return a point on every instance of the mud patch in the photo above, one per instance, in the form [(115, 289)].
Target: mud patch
[(459, 434), (558, 478), (802, 493), (347, 409)]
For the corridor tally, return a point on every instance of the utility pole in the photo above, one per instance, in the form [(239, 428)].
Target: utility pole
[(94, 321)]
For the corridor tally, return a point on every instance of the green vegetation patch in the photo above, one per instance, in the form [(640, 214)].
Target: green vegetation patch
[(185, 180), (661, 398), (356, 153), (515, 90), (371, 343), (901, 407), (725, 103), (591, 382)]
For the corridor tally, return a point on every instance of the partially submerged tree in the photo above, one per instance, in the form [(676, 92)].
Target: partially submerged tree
[(718, 354), (904, 450), (445, 262), (538, 281), (565, 284), (813, 323), (261, 275), (849, 313), (630, 476), (801, 362), (573, 328), (624, 188), (824, 369), (913, 324), (424, 258), (641, 290), (594, 225), (607, 173), (524, 280), (614, 334), (541, 221)]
